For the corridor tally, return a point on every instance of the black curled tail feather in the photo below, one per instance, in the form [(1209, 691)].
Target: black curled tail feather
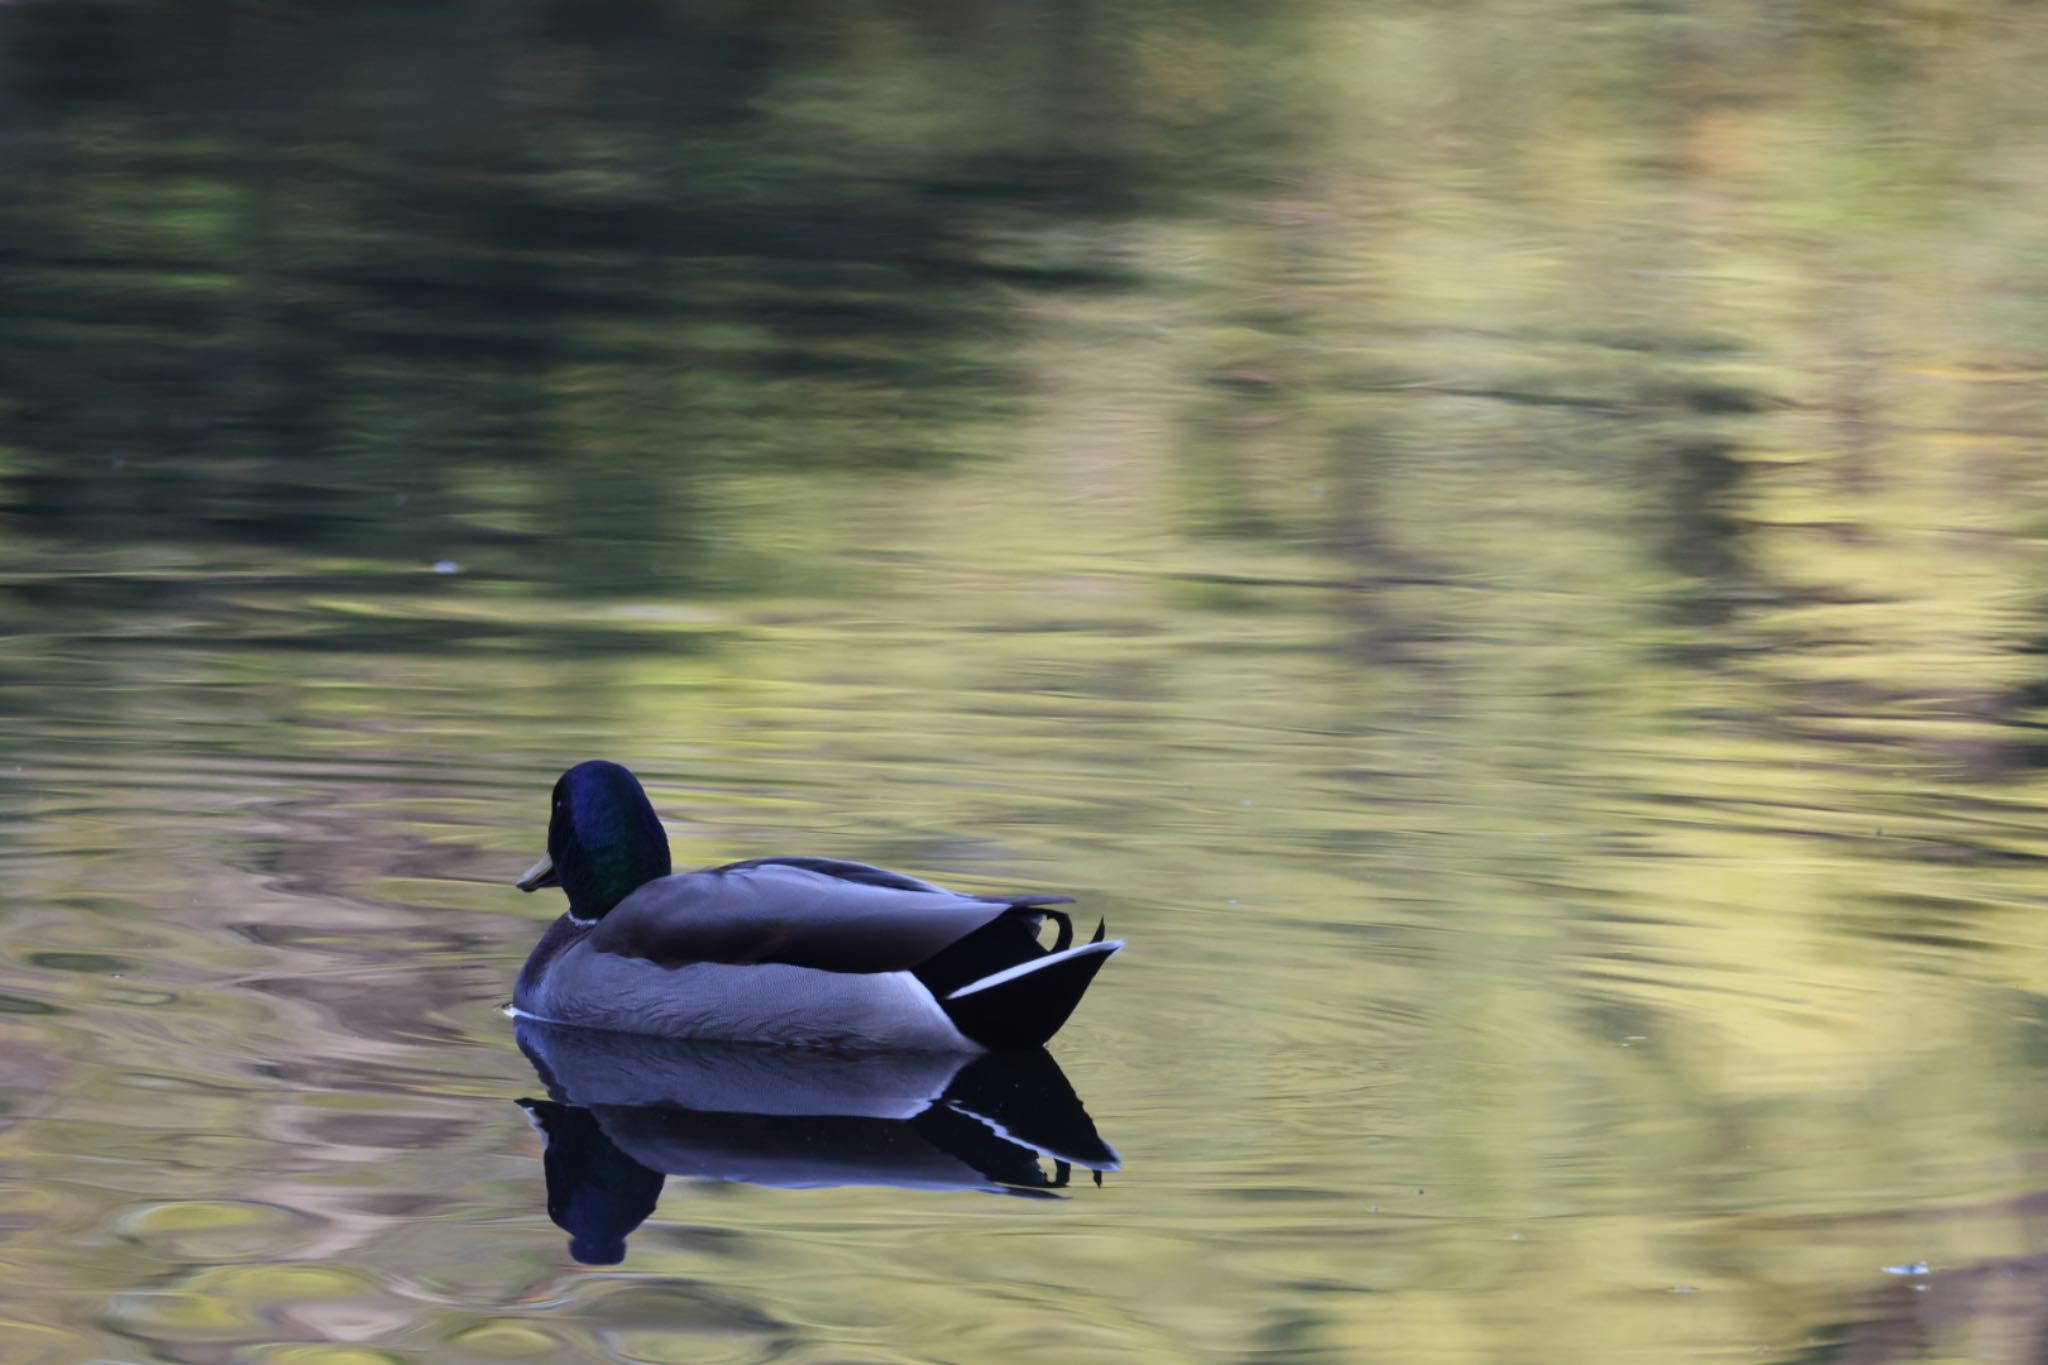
[(1065, 940), (1027, 1009)]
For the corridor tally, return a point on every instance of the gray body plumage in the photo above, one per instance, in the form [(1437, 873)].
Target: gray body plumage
[(843, 917), (802, 951)]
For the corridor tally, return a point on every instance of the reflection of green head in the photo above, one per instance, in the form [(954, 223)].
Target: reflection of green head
[(603, 838), (596, 1193)]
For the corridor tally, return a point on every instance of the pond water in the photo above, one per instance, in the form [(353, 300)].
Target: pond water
[(1500, 545)]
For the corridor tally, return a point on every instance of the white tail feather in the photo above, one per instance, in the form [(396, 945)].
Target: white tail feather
[(1035, 964)]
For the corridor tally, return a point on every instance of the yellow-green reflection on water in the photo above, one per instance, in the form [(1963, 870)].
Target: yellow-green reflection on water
[(1500, 545)]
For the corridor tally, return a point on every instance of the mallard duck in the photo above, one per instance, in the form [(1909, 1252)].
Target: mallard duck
[(806, 951)]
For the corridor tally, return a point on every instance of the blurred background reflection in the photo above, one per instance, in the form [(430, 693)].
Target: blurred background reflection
[(1500, 543)]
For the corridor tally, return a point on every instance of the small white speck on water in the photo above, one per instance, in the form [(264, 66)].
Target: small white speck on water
[(1233, 899), (1246, 803), (1315, 490), (1514, 1237), (446, 566), (1908, 1268), (1683, 1289)]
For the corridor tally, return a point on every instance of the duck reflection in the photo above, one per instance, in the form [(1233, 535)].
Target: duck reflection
[(623, 1113)]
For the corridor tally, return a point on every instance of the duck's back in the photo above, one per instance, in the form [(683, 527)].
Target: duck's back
[(802, 912), (773, 950)]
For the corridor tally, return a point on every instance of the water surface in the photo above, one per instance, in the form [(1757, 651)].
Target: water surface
[(1500, 545)]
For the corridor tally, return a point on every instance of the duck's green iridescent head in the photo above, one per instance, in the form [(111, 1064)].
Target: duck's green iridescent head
[(604, 842)]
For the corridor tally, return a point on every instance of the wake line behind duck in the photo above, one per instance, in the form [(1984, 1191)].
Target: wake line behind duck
[(783, 950)]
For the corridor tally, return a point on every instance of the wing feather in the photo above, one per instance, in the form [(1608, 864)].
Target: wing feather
[(806, 912)]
